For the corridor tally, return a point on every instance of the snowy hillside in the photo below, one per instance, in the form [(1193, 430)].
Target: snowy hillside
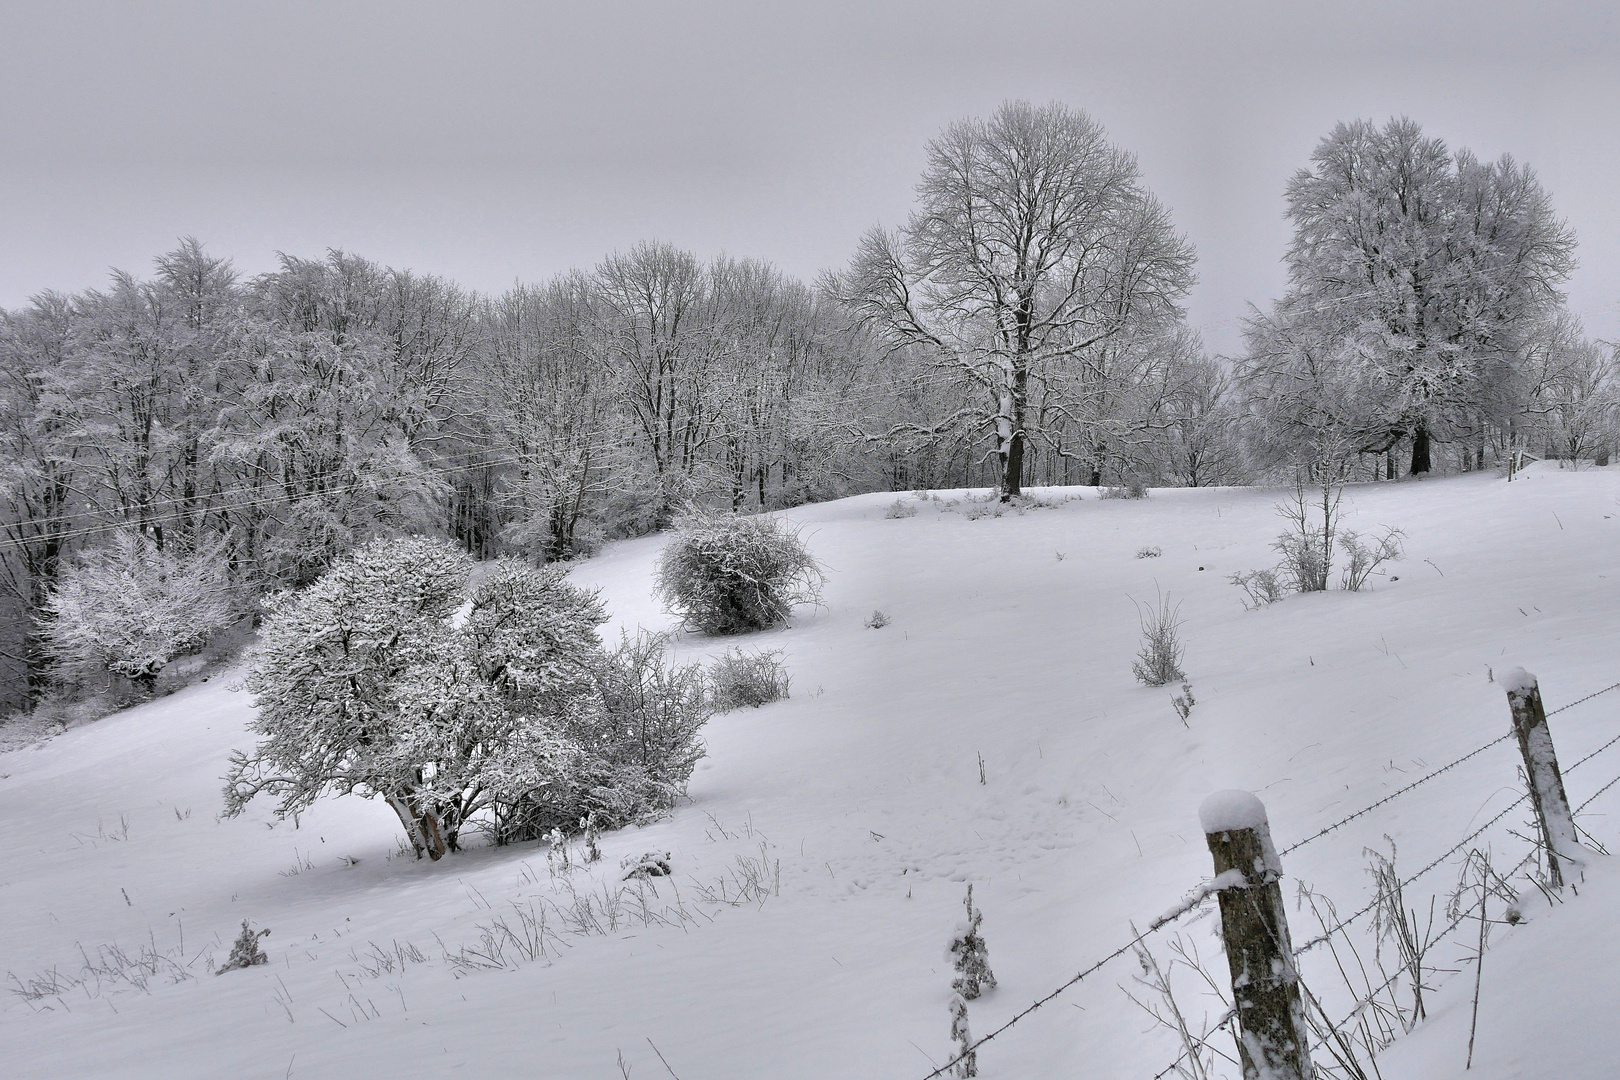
[(820, 864)]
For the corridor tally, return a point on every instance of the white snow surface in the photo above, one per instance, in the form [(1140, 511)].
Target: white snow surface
[(1516, 680), (862, 794), (1224, 811)]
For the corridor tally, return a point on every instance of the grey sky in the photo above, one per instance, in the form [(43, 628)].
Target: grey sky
[(501, 141)]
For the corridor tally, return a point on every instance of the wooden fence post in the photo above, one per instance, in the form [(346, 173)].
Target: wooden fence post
[(1541, 770), (1265, 984)]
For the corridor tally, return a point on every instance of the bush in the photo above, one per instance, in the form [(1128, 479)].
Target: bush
[(1262, 587), (1159, 660), (732, 575), (1365, 559), (623, 760), (1149, 552), (738, 679), (900, 509), (515, 721), (130, 608)]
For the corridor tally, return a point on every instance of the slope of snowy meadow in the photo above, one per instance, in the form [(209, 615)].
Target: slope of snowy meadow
[(820, 863)]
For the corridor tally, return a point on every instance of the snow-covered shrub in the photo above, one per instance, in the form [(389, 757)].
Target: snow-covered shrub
[(513, 719), (738, 679), (341, 671), (1149, 552), (970, 956), (1130, 489), (245, 951), (879, 620), (129, 608), (1261, 587), (1365, 558), (900, 509), (730, 575), (627, 755), (1159, 659)]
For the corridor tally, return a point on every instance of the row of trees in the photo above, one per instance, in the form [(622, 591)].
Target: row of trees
[(1023, 327)]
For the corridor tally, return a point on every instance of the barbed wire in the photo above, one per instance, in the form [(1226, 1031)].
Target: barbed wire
[(1179, 911), (1595, 794), (1470, 838), (1588, 697), (1393, 795), (1362, 1005)]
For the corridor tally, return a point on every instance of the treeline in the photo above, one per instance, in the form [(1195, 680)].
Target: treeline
[(1024, 327), (277, 421)]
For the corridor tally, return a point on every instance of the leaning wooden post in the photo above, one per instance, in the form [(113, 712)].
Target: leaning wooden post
[(1541, 771), (1265, 984)]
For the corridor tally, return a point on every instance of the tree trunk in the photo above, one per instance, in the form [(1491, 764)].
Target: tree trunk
[(1420, 451), (1012, 475), (421, 827)]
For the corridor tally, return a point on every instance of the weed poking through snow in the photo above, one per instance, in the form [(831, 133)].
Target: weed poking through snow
[(245, 952), (1159, 660)]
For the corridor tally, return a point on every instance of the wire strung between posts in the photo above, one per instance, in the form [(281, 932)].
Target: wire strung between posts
[(1588, 697), (1593, 754), (1157, 924), (1596, 793), (1361, 1005), (1470, 838), (1231, 1015), (1394, 795), (1446, 768)]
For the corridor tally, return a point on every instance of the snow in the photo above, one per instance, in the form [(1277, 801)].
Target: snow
[(1516, 681), (819, 869), (1227, 811)]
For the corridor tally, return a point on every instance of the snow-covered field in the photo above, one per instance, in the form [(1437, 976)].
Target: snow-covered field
[(852, 814)]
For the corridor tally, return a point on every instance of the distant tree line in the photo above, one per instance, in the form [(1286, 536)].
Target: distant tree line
[(1023, 328)]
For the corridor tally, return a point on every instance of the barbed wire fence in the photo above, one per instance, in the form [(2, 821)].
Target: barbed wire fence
[(1325, 1032)]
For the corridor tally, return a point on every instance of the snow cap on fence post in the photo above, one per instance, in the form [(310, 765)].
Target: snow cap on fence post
[(1254, 925), (1541, 769)]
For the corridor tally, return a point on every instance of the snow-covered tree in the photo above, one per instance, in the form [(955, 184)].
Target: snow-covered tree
[(332, 665), (498, 710), (1415, 276), (1034, 253), (129, 607)]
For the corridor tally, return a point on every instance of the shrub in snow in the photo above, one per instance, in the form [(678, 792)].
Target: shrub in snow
[(730, 575), (1131, 489), (1366, 558), (970, 956), (652, 864), (879, 620), (739, 679), (516, 720), (130, 608), (1149, 552), (900, 509), (1261, 587), (1159, 659), (967, 1059), (245, 951)]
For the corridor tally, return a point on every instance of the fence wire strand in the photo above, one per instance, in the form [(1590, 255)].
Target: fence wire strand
[(1470, 838), (1160, 923), (1188, 906), (1392, 796)]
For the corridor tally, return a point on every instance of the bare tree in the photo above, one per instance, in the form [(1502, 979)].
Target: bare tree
[(1033, 246)]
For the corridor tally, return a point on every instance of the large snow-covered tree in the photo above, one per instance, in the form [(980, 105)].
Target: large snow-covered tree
[(1415, 278), (1034, 251), (129, 607)]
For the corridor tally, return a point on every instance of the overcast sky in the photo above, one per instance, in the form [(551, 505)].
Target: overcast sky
[(501, 141)]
